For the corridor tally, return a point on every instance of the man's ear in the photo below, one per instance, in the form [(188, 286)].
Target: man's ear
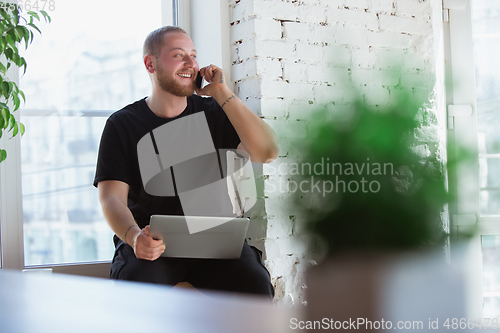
[(149, 63)]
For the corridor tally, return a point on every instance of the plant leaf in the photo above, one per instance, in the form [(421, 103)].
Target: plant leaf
[(24, 64), (8, 53), (12, 122), (5, 89), (34, 27), (6, 117), (3, 42), (45, 15), (18, 31), (16, 130), (26, 38), (16, 58), (3, 155), (22, 128), (6, 15), (34, 14), (22, 95), (10, 39), (17, 102)]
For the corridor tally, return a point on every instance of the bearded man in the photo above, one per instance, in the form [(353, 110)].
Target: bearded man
[(170, 60)]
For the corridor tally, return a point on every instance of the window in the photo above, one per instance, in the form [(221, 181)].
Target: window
[(79, 74), (474, 48), (86, 64)]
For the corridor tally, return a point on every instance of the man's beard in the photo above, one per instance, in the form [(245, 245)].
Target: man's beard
[(169, 84)]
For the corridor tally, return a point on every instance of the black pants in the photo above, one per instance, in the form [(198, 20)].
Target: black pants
[(246, 274)]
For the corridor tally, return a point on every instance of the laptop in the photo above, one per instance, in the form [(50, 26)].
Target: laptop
[(222, 241)]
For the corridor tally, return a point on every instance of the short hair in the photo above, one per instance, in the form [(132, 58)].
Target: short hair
[(154, 41)]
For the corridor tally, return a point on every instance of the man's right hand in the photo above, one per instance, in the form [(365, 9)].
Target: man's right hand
[(145, 247)]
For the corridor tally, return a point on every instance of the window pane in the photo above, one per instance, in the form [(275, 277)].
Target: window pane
[(486, 27), (489, 181), (62, 217), (86, 64), (491, 276)]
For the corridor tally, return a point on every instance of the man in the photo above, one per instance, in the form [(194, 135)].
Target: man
[(170, 60)]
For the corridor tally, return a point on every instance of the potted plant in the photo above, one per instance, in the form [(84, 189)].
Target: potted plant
[(15, 30), (378, 207)]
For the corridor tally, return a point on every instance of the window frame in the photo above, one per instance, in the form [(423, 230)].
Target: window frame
[(465, 215), (192, 14)]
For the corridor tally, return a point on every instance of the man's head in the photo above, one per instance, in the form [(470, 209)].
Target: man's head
[(170, 58), (154, 41)]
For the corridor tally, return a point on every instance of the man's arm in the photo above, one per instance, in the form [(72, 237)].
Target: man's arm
[(113, 198), (257, 138)]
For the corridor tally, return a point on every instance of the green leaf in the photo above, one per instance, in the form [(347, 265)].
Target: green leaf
[(4, 14), (8, 53), (15, 14), (11, 86), (3, 155), (6, 117), (14, 87), (12, 122), (22, 129), (3, 42), (11, 36), (16, 58), (26, 38), (34, 27), (31, 36), (5, 89), (17, 102), (16, 130), (14, 48), (45, 15), (34, 14), (19, 33), (22, 95), (24, 64), (10, 39)]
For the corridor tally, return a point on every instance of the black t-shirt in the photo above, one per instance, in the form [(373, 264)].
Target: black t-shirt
[(118, 160)]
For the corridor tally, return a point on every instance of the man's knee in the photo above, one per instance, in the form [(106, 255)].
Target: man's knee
[(258, 281), (137, 270)]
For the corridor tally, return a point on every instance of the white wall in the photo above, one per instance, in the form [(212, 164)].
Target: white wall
[(289, 56)]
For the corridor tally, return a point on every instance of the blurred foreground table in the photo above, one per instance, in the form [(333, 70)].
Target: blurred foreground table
[(31, 302)]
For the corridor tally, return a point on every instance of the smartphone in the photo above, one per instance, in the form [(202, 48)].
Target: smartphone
[(199, 78)]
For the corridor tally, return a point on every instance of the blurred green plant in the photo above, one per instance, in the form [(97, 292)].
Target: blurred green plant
[(382, 192), (15, 29)]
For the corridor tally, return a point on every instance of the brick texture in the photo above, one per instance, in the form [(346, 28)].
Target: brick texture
[(289, 56)]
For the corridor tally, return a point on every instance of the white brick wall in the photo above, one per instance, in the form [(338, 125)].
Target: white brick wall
[(291, 55)]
